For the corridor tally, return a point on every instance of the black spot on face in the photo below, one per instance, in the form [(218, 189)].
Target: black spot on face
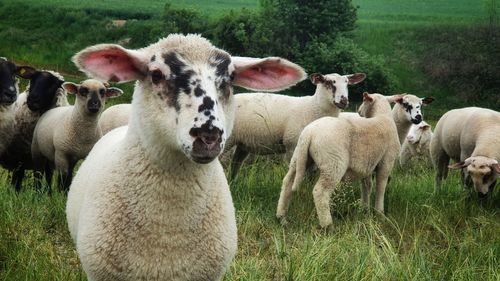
[(207, 105), (207, 113), (408, 107), (180, 76), (198, 91), (153, 58), (222, 64)]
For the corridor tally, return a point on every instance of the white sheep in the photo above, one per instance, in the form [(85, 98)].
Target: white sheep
[(416, 144), (9, 90), (44, 92), (271, 124), (351, 147), (66, 134), (114, 116), (151, 201), (408, 111), (471, 137)]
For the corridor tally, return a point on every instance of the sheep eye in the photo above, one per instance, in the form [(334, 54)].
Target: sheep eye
[(157, 76), (83, 91), (102, 92)]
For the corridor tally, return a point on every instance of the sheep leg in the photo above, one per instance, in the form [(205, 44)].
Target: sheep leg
[(441, 162), (63, 165), (366, 188), (38, 163), (285, 196), (321, 193), (382, 178), (49, 171), (239, 156), (17, 178)]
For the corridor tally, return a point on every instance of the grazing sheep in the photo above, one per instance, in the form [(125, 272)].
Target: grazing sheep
[(471, 137), (271, 124), (408, 111), (44, 92), (151, 201), (8, 96), (351, 147), (416, 144), (66, 134), (113, 117)]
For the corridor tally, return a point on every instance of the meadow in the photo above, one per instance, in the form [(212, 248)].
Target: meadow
[(424, 235)]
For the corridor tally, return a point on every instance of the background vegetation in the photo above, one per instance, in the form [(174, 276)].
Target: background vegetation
[(447, 49)]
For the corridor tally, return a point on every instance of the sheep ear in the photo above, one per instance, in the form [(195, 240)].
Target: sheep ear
[(426, 127), (25, 72), (459, 165), (267, 74), (367, 97), (70, 87), (427, 100), (113, 92), (395, 98), (3, 58), (317, 78), (110, 62), (496, 168), (356, 78)]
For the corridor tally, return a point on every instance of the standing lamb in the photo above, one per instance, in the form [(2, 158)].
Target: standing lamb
[(408, 111), (151, 201), (271, 124), (8, 96), (44, 92), (471, 137), (351, 147), (114, 116), (416, 144), (66, 134)]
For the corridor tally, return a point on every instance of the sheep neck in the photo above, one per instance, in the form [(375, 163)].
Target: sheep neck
[(84, 123), (488, 142)]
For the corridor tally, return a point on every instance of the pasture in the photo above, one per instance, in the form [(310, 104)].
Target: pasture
[(424, 235)]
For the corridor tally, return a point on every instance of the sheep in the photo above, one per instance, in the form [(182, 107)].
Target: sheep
[(416, 144), (350, 147), (8, 96), (113, 117), (471, 137), (271, 124), (151, 201), (66, 134), (408, 111), (44, 92)]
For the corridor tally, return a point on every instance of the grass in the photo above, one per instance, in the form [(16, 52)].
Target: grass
[(424, 236)]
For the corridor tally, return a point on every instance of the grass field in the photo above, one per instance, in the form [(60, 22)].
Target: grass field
[(423, 236)]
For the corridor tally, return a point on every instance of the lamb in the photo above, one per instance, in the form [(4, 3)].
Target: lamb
[(471, 137), (66, 134), (408, 111), (416, 144), (113, 117), (8, 96), (271, 124), (351, 147), (44, 92), (151, 201)]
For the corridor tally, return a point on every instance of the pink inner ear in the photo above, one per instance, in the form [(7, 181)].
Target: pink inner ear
[(269, 74), (111, 64), (70, 87)]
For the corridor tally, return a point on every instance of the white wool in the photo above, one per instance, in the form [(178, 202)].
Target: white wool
[(416, 144)]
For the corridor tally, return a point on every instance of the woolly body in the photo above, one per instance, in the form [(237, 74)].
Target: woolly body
[(113, 117)]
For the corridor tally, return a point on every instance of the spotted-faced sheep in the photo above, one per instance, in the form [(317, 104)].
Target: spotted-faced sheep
[(44, 92), (416, 144), (66, 134), (471, 137), (351, 147), (271, 124), (408, 111), (114, 116), (151, 201), (8, 96)]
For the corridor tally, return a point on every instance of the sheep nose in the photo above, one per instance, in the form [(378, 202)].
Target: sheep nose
[(417, 119), (344, 102), (211, 138)]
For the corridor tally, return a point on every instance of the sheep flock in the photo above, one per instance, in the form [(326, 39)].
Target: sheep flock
[(150, 200)]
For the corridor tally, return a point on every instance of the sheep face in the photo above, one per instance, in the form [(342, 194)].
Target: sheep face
[(43, 90), (183, 99), (334, 86), (484, 172), (420, 133), (8, 81), (412, 106), (91, 94)]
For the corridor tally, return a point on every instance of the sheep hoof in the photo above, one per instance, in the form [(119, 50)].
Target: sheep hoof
[(283, 221), (329, 229)]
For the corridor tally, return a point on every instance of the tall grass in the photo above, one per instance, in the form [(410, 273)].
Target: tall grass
[(423, 236)]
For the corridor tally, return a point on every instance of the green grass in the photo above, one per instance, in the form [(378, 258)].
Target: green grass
[(424, 236)]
